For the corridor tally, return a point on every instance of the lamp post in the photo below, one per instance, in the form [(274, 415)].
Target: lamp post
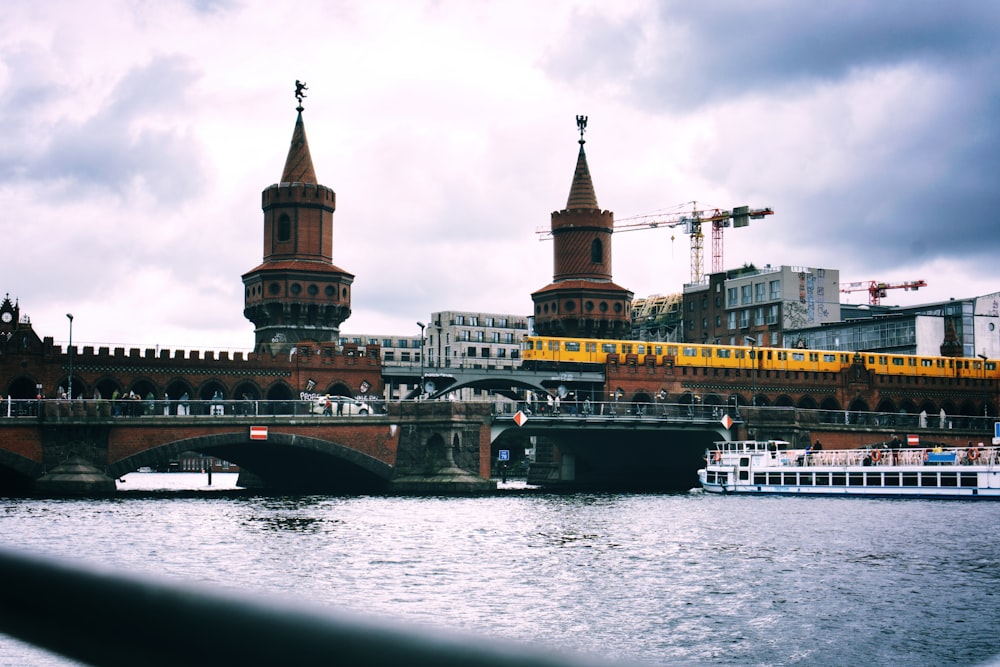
[(753, 368), (986, 401), (70, 316), (421, 325)]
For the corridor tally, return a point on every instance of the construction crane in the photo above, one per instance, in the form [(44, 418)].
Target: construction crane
[(877, 289), (692, 222)]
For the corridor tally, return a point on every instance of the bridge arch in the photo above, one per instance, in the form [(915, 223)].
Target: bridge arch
[(283, 461)]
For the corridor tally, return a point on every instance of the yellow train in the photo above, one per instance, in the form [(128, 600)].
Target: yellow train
[(541, 352)]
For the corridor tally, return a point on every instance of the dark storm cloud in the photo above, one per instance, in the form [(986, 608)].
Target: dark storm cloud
[(922, 185), (129, 141)]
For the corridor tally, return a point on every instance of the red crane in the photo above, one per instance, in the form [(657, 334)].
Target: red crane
[(877, 289)]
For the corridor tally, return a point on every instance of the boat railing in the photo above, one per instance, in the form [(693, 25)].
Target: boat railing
[(99, 617), (877, 456)]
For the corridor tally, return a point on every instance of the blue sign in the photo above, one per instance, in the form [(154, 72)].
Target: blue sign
[(996, 429), (504, 455)]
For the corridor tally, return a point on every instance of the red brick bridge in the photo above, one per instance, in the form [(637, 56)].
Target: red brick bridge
[(429, 447)]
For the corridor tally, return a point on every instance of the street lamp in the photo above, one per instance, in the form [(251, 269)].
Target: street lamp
[(70, 316), (753, 368), (421, 325), (986, 402)]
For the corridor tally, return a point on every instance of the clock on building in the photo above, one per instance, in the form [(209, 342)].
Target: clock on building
[(6, 316)]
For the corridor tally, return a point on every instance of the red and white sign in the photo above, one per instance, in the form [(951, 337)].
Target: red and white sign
[(727, 422), (520, 418), (913, 440), (258, 433)]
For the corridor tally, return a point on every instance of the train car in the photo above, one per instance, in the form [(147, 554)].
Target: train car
[(569, 353)]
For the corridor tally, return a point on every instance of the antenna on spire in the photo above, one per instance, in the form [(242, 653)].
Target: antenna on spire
[(300, 87), (581, 123)]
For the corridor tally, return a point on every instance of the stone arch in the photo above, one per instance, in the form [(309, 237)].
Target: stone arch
[(784, 401), (106, 387), (886, 405), (247, 391), (830, 411), (233, 446), (807, 402), (641, 402), (22, 388), (761, 400), (281, 399)]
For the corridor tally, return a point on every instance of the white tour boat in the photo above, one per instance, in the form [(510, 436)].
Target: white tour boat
[(772, 467)]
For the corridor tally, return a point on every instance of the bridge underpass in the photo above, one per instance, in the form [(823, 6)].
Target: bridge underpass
[(632, 453)]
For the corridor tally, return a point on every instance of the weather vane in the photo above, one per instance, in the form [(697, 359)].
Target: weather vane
[(300, 88), (581, 123)]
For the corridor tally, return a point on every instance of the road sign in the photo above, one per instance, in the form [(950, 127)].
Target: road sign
[(913, 440), (504, 455), (258, 433), (520, 418)]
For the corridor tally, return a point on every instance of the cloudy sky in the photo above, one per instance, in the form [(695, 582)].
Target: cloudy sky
[(137, 138)]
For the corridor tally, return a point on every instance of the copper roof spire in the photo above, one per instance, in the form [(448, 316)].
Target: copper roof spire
[(298, 164), (581, 193)]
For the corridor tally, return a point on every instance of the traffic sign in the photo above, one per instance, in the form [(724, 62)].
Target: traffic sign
[(504, 455), (258, 433), (520, 418)]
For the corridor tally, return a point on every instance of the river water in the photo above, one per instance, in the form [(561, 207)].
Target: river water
[(659, 579)]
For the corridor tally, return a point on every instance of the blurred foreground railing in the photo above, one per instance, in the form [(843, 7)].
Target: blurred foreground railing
[(106, 619)]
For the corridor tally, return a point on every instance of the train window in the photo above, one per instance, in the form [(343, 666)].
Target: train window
[(911, 361), (609, 347), (940, 363), (991, 365), (843, 358), (626, 348), (641, 349), (572, 346), (898, 361), (724, 354), (926, 362), (554, 345), (782, 356), (538, 345), (689, 352), (741, 354), (871, 360), (798, 356), (657, 350), (829, 357), (706, 351), (813, 356), (591, 347)]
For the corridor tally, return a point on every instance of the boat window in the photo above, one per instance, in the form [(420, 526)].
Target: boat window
[(839, 479), (949, 479), (822, 479), (806, 479), (774, 478), (873, 479), (892, 479), (760, 478), (857, 478), (969, 479), (909, 479), (790, 479), (928, 479)]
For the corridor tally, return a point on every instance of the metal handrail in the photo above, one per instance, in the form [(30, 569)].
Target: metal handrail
[(103, 618)]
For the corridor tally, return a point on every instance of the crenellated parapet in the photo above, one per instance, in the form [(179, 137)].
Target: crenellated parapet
[(299, 194)]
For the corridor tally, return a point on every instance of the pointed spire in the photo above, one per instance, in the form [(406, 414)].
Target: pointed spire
[(299, 164), (581, 193)]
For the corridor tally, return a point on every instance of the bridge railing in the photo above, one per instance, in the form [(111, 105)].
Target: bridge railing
[(620, 410), (104, 618)]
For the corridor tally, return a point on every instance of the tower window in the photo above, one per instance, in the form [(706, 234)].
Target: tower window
[(284, 229), (596, 251)]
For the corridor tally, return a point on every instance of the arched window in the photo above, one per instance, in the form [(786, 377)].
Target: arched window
[(284, 229), (596, 251)]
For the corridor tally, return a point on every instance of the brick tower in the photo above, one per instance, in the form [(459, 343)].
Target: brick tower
[(297, 294), (582, 301)]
